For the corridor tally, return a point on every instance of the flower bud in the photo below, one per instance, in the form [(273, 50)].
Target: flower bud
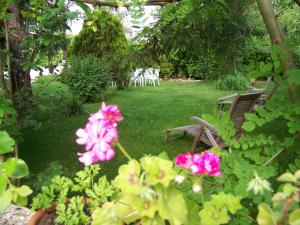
[(179, 179), (196, 188)]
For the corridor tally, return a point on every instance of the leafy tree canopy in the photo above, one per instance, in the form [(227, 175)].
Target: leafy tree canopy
[(102, 34)]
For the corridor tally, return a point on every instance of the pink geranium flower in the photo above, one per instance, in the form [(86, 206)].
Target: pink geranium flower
[(184, 160), (99, 134), (109, 114), (86, 158), (208, 163)]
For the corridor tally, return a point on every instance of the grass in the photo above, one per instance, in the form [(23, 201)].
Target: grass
[(147, 112)]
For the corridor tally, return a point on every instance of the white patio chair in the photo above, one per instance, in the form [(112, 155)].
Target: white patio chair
[(152, 76), (137, 78)]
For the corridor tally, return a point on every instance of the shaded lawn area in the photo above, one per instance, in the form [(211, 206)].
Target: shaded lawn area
[(147, 112)]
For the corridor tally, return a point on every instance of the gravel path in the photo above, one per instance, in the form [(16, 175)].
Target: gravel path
[(15, 215)]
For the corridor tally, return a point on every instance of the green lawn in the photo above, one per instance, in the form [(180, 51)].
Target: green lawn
[(147, 112)]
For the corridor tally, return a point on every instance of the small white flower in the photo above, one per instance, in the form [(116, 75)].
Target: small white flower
[(179, 179), (196, 188), (259, 185)]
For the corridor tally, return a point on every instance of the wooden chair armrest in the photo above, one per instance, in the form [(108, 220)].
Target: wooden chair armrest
[(252, 90), (227, 98), (203, 123)]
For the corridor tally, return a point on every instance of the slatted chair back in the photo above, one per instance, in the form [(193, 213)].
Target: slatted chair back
[(267, 83), (243, 103)]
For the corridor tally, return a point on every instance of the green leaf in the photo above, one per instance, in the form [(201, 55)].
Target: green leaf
[(21, 169), (193, 213), (168, 198), (107, 215), (248, 126), (294, 218), (251, 117), (6, 142), (9, 166), (287, 177), (3, 183), (297, 175), (23, 191), (128, 179), (212, 216), (241, 188), (159, 171), (21, 201), (157, 220), (279, 198), (265, 215), (293, 76), (5, 200)]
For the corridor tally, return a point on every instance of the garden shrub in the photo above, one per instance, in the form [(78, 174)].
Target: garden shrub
[(88, 77), (236, 82), (203, 68), (103, 37), (51, 95), (120, 69), (102, 34)]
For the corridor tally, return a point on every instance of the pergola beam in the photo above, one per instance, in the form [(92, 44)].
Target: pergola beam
[(100, 3)]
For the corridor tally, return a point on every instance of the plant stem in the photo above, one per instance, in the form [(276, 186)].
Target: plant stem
[(202, 191), (202, 197), (124, 151)]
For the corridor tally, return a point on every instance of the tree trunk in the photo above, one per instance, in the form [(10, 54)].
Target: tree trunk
[(277, 37), (3, 85), (20, 79)]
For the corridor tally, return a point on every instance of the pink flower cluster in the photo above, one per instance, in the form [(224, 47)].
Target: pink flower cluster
[(99, 134), (207, 163)]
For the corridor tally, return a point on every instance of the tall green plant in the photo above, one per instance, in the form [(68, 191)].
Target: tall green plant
[(88, 77), (102, 34)]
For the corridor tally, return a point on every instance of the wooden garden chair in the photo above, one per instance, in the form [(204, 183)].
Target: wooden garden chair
[(206, 133), (261, 102)]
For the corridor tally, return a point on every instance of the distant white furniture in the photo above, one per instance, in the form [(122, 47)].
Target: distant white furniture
[(152, 76), (137, 78), (143, 77), (113, 83)]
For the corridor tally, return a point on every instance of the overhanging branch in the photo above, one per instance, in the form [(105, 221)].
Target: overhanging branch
[(100, 3)]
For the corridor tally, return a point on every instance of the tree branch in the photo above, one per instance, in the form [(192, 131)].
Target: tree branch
[(100, 3)]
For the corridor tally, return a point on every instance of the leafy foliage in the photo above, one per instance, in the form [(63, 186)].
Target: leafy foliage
[(102, 34), (206, 36), (146, 195), (285, 203), (44, 177), (255, 152), (88, 77), (71, 195), (236, 82), (47, 26), (103, 37), (3, 6), (11, 168), (216, 211)]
